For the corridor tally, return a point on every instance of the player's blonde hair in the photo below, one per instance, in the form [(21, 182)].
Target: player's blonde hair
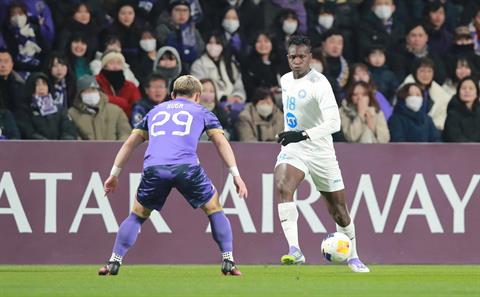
[(187, 85)]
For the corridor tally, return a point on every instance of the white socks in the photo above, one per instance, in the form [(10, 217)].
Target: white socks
[(228, 256), (288, 214), (116, 257), (350, 232)]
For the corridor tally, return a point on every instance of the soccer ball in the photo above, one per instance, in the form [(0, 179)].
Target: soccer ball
[(336, 247)]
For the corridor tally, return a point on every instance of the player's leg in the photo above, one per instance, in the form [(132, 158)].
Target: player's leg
[(337, 208), (222, 234), (287, 179), (126, 237)]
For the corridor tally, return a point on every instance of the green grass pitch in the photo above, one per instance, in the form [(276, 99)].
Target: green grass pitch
[(258, 280)]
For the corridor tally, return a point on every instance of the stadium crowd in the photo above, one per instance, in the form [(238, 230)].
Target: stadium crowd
[(401, 71)]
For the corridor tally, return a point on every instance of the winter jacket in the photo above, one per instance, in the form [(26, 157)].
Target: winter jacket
[(260, 74), (8, 126), (406, 125), (462, 124), (385, 81), (124, 98), (13, 92), (355, 129), (106, 122), (140, 109), (251, 127), (439, 98), (205, 67), (96, 66)]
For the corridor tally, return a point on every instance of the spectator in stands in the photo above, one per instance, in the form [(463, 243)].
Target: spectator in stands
[(261, 69), (79, 55), (261, 120), (286, 25), (233, 34), (382, 76), (295, 6), (322, 21), (126, 29), (463, 118), (147, 55), (435, 98), (94, 117), (24, 40), (404, 57), (217, 65), (360, 73), (463, 68), (318, 63), (209, 100), (62, 12), (179, 32), (361, 117), (156, 92), (43, 120), (337, 66), (439, 37), (463, 47), (113, 83), (81, 22), (62, 78), (381, 26), (168, 64), (410, 122), (12, 86), (112, 43), (474, 28), (8, 126)]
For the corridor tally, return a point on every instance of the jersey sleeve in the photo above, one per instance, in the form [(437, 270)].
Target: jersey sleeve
[(212, 124), (142, 128)]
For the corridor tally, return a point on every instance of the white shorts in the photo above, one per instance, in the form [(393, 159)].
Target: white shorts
[(325, 173)]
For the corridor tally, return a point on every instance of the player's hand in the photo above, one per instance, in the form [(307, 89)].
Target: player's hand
[(110, 184), (287, 137), (240, 186)]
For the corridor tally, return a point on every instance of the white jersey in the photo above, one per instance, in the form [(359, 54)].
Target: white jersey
[(309, 104)]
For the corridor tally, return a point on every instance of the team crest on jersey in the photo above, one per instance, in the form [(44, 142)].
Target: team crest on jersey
[(291, 120), (302, 94)]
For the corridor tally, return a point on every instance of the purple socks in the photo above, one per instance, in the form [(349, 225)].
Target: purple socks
[(221, 231), (127, 234)]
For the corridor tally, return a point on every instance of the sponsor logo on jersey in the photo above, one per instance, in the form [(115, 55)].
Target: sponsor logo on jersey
[(291, 120)]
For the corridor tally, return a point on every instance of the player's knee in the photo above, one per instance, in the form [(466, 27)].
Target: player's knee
[(141, 211), (285, 190)]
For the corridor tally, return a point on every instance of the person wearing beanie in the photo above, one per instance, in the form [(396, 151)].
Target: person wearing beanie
[(112, 82), (94, 116), (42, 119), (179, 31)]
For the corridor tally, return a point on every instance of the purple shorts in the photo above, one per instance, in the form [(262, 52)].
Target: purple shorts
[(189, 179)]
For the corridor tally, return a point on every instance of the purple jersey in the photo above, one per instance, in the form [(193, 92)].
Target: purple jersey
[(173, 129)]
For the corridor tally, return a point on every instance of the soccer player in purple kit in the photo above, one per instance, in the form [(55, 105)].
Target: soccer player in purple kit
[(173, 130)]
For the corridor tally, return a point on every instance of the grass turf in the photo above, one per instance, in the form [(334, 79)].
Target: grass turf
[(258, 280)]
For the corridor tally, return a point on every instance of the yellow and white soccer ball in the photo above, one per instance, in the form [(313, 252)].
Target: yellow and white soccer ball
[(336, 247)]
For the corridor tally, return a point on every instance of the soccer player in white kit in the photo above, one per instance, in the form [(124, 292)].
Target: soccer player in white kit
[(311, 116)]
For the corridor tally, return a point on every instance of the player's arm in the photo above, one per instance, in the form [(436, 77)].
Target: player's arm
[(226, 153), (132, 142)]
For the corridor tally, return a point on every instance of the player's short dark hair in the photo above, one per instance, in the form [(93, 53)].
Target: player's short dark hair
[(154, 77), (299, 40)]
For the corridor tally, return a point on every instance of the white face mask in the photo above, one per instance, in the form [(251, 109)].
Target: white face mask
[(414, 103), (232, 2), (256, 2), (214, 50), (148, 45), (317, 66), (264, 110), (326, 20), (91, 99), (383, 11), (230, 26), (289, 27), (18, 20)]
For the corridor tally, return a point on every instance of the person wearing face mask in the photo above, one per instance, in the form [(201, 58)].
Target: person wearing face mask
[(436, 99), (24, 40), (168, 64), (42, 119), (218, 65), (94, 117), (285, 25), (380, 27), (409, 122), (261, 120), (146, 56), (113, 83), (463, 119), (209, 100), (321, 22), (233, 34)]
